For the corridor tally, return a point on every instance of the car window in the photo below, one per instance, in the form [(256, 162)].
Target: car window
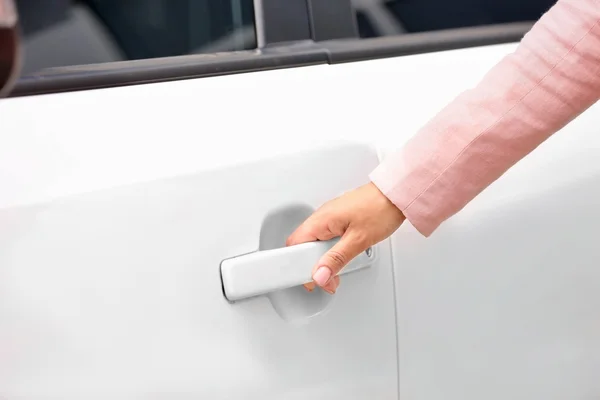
[(393, 17), (63, 33), (67, 33), (366, 29)]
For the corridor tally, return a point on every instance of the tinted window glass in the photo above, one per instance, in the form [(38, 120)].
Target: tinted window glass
[(392, 17), (63, 32), (366, 30)]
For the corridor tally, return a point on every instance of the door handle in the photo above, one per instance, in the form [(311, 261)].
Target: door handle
[(266, 271)]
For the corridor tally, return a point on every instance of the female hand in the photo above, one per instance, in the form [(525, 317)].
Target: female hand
[(362, 217)]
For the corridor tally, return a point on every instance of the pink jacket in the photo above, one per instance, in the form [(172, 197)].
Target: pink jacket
[(552, 77)]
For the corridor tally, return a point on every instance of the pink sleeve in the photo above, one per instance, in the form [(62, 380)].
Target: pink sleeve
[(552, 77)]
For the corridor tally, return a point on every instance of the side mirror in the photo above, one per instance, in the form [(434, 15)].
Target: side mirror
[(10, 54)]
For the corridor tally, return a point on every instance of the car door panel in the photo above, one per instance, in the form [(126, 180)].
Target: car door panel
[(117, 292), (503, 300), (148, 190)]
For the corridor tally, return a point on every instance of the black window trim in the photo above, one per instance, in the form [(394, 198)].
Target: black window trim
[(336, 45)]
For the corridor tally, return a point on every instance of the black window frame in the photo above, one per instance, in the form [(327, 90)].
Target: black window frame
[(320, 32)]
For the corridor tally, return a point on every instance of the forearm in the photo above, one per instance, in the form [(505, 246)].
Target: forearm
[(552, 77)]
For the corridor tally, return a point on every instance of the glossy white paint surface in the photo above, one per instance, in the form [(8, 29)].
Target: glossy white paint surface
[(117, 206), (504, 300), (77, 142), (117, 293)]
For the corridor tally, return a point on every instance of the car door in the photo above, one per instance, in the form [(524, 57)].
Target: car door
[(112, 245), (128, 187)]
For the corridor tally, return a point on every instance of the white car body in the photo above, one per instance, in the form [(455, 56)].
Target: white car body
[(113, 226)]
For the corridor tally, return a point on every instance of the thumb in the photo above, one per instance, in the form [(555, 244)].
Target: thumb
[(337, 258)]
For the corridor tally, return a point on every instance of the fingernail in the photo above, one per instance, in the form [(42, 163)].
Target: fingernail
[(322, 276), (329, 291)]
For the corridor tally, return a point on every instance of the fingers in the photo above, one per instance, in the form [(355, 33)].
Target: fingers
[(332, 286), (320, 226), (310, 231), (310, 286), (337, 258), (304, 233)]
